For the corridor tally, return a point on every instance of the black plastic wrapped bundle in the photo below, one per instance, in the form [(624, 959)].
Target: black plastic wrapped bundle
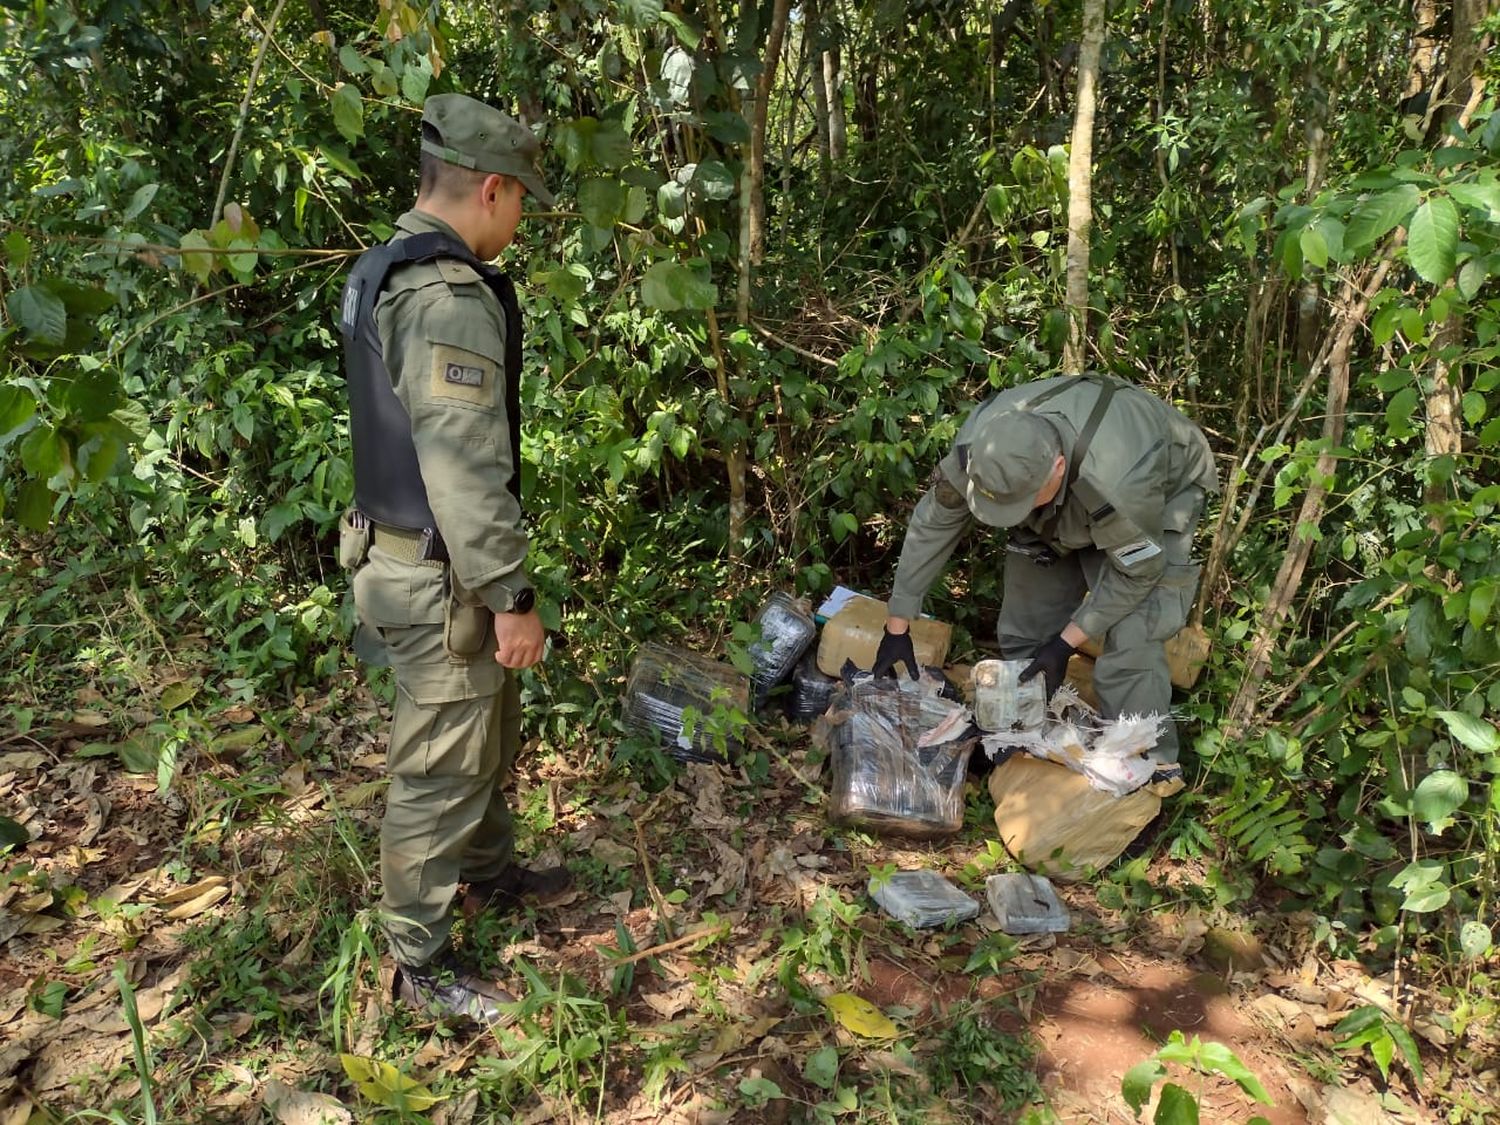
[(884, 777), (787, 631), (665, 682), (812, 691)]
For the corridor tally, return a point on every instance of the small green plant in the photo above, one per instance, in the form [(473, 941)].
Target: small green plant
[(143, 1064), (975, 1054), (1372, 1027), (1177, 1105)]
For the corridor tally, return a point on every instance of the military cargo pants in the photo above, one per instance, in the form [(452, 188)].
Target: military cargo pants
[(453, 741), (1131, 675)]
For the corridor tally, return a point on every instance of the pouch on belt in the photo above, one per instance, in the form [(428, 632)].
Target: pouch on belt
[(467, 622)]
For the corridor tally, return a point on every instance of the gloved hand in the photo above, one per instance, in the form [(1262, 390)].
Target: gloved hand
[(895, 648), (1052, 661)]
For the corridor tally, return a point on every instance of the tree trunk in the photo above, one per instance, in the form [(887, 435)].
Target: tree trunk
[(838, 122), (1335, 357), (758, 130), (813, 44), (1443, 437), (1080, 182)]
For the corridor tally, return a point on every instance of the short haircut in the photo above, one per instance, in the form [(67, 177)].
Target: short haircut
[(440, 179)]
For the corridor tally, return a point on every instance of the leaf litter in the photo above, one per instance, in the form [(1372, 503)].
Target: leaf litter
[(699, 892)]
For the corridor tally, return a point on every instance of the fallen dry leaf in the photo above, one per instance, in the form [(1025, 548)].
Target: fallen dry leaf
[(303, 1107), (194, 907), (191, 891)]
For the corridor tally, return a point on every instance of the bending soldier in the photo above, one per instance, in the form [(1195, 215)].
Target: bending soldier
[(1100, 485)]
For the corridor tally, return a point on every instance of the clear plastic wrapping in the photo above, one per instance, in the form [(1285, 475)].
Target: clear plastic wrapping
[(899, 757), (922, 899), (671, 688), (812, 691), (786, 632), (1002, 701)]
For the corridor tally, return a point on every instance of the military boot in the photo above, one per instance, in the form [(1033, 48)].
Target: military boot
[(443, 988), (507, 890)]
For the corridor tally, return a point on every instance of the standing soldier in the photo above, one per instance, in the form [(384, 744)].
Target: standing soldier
[(1101, 485), (432, 341)]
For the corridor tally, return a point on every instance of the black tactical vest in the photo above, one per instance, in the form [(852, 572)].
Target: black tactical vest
[(388, 484)]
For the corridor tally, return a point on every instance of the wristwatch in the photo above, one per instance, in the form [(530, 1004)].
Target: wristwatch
[(524, 601)]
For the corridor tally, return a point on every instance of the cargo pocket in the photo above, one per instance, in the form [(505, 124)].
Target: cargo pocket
[(1172, 600), (465, 627)]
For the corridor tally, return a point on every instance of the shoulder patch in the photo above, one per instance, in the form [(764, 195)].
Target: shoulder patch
[(462, 376), (457, 273), (1132, 554)]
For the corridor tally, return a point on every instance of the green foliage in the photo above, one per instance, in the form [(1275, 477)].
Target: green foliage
[(1175, 1104), (1371, 1027)]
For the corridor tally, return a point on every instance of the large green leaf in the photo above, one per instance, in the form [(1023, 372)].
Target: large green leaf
[(1475, 939), (672, 286), (34, 504), (348, 111), (41, 314), (416, 76), (197, 257), (601, 201), (1437, 797), (1176, 1107), (1433, 239), (639, 13), (1481, 197), (1475, 733), (713, 180), (17, 249), (94, 395), (677, 68), (610, 147), (139, 201), (1375, 217), (17, 407), (1138, 1082)]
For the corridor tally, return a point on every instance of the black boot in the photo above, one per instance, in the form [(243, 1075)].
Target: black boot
[(507, 890), (442, 987)]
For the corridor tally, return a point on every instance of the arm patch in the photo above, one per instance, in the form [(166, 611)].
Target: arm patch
[(1132, 554), (462, 376)]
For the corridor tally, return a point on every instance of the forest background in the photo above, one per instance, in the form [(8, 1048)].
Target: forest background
[(794, 244)]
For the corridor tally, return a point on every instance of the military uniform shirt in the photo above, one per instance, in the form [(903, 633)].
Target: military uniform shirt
[(1148, 464), (442, 332)]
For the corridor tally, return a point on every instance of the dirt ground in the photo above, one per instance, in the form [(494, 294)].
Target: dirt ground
[(117, 872)]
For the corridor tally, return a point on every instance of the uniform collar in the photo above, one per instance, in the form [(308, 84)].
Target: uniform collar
[(417, 221)]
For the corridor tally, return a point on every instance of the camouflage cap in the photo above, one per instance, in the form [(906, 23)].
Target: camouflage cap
[(1008, 462), (478, 136)]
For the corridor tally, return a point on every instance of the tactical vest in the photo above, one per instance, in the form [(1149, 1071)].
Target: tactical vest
[(388, 485)]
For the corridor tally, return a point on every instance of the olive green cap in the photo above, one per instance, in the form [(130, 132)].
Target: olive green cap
[(1008, 462), (479, 136)]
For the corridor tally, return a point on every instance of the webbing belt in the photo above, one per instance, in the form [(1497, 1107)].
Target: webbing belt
[(425, 548)]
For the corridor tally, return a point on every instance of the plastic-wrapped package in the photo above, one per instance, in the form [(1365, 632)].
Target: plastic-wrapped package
[(922, 899), (666, 682), (786, 632), (1026, 904), (899, 756), (1002, 701), (854, 632), (812, 691)]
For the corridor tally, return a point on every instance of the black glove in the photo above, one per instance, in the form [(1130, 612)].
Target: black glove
[(1052, 662), (894, 649)]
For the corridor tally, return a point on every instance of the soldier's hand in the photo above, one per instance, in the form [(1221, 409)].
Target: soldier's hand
[(519, 639), (895, 648), (1052, 662)]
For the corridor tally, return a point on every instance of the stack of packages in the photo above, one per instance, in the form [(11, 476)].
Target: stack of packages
[(696, 707), (1071, 790)]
